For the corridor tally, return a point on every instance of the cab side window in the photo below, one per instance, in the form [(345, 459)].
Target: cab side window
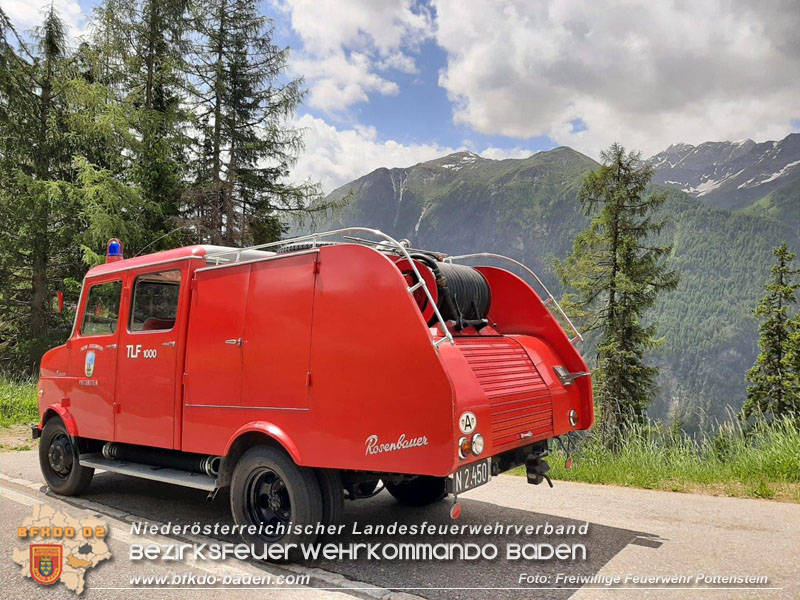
[(155, 301), (102, 309)]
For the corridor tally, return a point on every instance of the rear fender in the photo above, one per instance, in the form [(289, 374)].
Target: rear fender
[(270, 430)]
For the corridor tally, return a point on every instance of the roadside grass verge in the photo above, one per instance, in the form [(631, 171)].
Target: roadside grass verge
[(18, 404), (761, 461)]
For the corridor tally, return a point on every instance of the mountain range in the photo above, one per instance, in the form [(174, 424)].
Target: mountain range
[(728, 205), (761, 178)]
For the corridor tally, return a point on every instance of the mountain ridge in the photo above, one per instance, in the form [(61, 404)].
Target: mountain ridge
[(745, 175)]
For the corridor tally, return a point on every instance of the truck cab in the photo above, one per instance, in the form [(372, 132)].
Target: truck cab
[(309, 371)]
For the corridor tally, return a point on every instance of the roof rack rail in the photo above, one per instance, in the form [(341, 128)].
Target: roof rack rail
[(386, 242)]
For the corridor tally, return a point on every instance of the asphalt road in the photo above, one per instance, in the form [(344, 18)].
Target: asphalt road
[(636, 532)]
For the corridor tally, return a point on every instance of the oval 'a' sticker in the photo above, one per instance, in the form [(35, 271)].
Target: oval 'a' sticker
[(467, 422), (88, 365)]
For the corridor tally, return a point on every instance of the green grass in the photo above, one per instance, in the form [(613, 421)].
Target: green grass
[(761, 462), (18, 404)]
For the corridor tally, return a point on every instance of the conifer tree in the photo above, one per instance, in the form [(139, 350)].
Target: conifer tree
[(774, 388), (138, 55), (616, 272), (793, 358), (239, 190), (35, 158), (61, 187)]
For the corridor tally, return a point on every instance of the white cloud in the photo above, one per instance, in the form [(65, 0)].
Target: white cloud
[(28, 14), (643, 73), (337, 156), (399, 61), (339, 81), (504, 153), (348, 45), (331, 24)]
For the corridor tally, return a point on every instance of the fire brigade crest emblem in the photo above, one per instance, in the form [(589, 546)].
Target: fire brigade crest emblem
[(88, 365), (46, 562)]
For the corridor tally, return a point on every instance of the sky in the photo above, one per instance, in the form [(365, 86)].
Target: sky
[(394, 83)]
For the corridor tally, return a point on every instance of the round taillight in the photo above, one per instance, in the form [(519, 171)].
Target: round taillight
[(464, 447), (573, 417), (477, 444)]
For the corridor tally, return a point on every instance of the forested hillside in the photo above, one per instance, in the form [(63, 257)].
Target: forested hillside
[(529, 209)]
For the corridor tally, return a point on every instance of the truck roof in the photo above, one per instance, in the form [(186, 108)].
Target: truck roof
[(201, 251)]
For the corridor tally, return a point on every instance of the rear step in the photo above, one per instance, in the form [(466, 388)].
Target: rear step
[(164, 474)]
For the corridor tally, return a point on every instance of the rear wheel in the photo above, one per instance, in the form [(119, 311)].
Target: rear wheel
[(58, 459), (269, 489), (330, 486), (420, 491)]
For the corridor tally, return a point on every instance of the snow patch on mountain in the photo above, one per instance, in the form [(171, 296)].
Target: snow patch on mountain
[(710, 185), (774, 176), (459, 160)]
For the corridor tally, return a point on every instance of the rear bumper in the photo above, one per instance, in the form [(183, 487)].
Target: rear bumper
[(531, 457)]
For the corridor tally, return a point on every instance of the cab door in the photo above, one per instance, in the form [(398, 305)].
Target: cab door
[(147, 366), (93, 359)]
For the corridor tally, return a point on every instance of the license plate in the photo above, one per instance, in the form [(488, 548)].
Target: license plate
[(471, 476)]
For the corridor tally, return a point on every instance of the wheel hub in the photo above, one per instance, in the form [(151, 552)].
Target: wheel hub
[(274, 501), (59, 455), (268, 501)]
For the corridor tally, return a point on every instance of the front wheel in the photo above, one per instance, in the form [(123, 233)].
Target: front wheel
[(58, 459), (269, 490), (420, 491)]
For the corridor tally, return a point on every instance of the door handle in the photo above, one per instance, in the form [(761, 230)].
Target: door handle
[(172, 343), (234, 342)]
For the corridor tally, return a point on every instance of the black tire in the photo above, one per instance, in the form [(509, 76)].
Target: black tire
[(58, 459), (330, 486), (420, 491), (268, 487)]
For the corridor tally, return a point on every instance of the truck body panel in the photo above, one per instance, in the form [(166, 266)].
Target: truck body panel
[(277, 337), (213, 368), (308, 368)]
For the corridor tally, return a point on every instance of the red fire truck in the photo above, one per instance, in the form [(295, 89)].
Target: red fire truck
[(308, 371)]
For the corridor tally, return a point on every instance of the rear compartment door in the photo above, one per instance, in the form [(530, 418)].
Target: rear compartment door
[(216, 336), (277, 343), (521, 405)]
